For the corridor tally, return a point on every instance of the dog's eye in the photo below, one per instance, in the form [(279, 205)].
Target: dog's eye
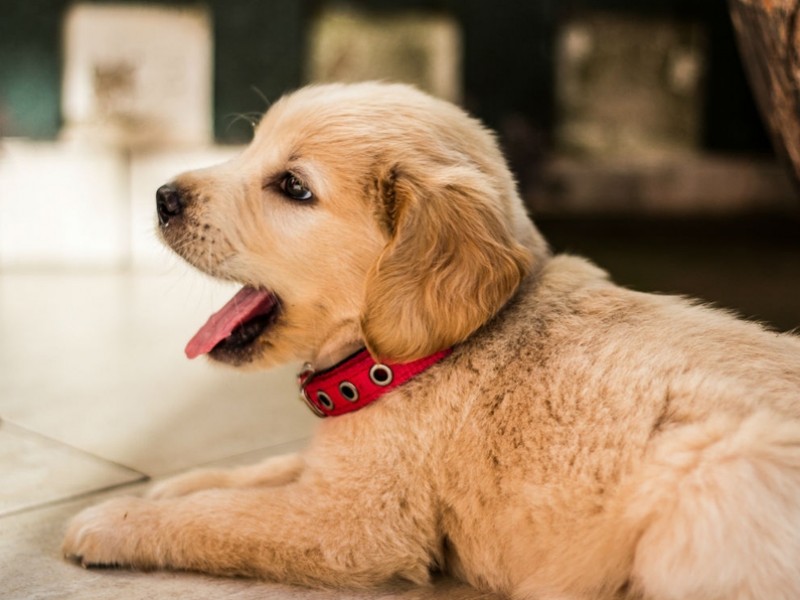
[(293, 187)]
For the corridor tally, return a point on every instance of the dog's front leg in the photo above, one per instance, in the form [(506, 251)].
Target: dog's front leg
[(275, 471), (310, 535)]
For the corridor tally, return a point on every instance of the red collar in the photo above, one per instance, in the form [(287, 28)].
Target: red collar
[(357, 381)]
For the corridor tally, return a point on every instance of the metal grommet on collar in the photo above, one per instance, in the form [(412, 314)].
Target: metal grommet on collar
[(348, 391), (325, 401), (313, 407), (381, 375)]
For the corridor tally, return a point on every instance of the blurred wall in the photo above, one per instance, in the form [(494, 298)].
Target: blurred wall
[(603, 107), (509, 51)]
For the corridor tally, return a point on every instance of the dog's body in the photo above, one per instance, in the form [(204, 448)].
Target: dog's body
[(581, 441)]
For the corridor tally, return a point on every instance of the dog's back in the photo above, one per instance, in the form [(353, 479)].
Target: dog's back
[(621, 440)]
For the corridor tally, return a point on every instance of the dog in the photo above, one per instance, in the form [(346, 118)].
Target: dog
[(491, 410)]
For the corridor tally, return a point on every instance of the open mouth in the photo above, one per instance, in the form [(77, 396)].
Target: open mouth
[(235, 326)]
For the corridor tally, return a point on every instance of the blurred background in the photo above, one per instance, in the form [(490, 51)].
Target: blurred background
[(630, 125)]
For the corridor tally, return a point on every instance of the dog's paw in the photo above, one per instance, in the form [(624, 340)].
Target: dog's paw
[(110, 534), (187, 483)]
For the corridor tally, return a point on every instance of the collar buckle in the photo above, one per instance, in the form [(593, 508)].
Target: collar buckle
[(305, 374)]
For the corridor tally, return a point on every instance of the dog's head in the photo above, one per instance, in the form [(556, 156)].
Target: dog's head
[(367, 214)]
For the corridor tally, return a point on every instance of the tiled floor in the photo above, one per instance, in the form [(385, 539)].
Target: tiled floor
[(96, 398)]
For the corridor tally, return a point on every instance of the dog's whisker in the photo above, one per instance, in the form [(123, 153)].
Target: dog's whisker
[(237, 117), (263, 96)]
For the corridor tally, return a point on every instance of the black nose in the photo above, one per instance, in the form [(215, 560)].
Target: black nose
[(169, 203)]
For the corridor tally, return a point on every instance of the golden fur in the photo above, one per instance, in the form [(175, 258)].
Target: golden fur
[(582, 441)]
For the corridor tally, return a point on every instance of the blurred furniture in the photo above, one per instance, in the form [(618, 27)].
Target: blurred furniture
[(769, 40)]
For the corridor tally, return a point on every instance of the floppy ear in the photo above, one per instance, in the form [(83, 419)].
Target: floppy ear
[(450, 265)]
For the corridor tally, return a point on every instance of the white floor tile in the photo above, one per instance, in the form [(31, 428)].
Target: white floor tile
[(96, 361), (35, 470)]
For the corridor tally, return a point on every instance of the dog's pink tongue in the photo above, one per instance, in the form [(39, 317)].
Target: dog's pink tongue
[(246, 304)]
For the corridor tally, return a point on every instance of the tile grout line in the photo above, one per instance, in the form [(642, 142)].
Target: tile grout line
[(66, 499), (70, 447), (139, 476)]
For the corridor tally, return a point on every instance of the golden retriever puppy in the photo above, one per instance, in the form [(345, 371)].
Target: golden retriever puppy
[(522, 423)]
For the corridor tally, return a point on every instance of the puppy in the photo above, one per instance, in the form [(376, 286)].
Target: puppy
[(516, 419)]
